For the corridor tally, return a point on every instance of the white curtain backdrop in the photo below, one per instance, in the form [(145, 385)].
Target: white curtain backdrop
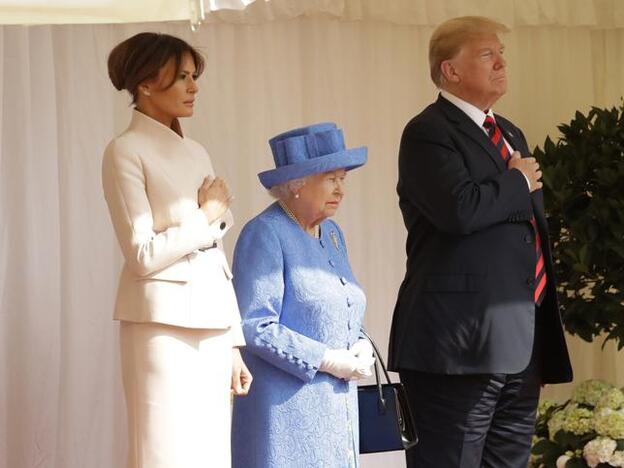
[(108, 11), (61, 401), (595, 13)]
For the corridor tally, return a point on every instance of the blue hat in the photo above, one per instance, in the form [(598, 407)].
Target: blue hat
[(310, 150)]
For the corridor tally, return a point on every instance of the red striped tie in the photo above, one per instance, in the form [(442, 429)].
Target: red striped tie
[(540, 267)]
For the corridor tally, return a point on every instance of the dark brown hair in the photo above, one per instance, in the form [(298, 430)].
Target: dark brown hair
[(140, 58)]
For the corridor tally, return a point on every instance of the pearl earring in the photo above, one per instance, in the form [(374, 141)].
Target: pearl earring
[(296, 195)]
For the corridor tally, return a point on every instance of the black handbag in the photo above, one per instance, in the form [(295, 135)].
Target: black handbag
[(386, 422)]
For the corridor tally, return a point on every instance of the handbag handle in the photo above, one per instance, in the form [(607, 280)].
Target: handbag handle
[(379, 359)]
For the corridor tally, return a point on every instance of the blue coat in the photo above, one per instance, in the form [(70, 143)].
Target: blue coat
[(297, 297)]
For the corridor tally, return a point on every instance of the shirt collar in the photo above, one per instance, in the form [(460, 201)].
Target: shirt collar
[(144, 122), (475, 114)]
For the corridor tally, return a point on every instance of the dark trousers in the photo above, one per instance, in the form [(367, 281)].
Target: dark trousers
[(473, 421)]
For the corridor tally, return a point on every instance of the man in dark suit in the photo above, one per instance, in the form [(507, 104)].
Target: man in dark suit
[(476, 329)]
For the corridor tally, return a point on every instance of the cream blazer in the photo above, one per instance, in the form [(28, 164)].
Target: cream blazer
[(175, 271)]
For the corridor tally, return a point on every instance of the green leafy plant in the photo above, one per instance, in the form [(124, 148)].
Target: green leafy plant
[(585, 431), (583, 175)]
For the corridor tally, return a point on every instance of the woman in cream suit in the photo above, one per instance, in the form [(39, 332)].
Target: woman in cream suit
[(180, 326)]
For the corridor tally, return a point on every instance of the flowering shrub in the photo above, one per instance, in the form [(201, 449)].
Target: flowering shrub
[(585, 431)]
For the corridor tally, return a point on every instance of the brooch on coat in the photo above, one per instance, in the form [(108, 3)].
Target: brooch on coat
[(334, 239)]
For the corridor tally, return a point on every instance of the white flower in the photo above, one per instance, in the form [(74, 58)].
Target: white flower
[(544, 405), (610, 423), (572, 419), (533, 461), (599, 451), (613, 399), (562, 460), (617, 459), (555, 424), (589, 392)]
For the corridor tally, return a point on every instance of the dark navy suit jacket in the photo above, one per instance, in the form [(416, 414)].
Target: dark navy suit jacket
[(466, 304)]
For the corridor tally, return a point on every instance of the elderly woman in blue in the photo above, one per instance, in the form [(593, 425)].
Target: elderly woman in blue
[(302, 310)]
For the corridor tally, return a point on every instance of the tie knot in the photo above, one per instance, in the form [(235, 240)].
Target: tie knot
[(490, 125), (489, 121)]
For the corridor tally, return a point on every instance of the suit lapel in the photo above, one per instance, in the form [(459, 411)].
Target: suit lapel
[(514, 140), (467, 126)]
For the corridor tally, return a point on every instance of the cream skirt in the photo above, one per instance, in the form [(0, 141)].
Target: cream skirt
[(177, 385)]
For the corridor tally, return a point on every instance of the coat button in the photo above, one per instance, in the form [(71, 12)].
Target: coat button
[(222, 225), (528, 238), (530, 281)]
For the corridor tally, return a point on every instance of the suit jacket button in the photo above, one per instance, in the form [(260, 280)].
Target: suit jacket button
[(528, 239), (530, 281)]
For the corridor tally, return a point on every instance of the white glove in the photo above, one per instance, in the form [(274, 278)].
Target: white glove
[(362, 348), (363, 351), (346, 364), (340, 363)]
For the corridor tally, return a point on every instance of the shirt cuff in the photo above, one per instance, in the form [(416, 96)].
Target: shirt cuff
[(238, 339), (220, 226), (527, 180)]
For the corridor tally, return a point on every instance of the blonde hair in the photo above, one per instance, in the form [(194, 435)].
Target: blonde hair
[(450, 36)]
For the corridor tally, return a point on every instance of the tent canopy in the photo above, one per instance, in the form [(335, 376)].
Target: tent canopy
[(591, 13)]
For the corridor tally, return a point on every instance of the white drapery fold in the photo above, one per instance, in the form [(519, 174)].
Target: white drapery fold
[(570, 13), (61, 402), (593, 13)]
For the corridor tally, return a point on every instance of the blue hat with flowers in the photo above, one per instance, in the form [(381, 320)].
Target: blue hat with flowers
[(310, 150)]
